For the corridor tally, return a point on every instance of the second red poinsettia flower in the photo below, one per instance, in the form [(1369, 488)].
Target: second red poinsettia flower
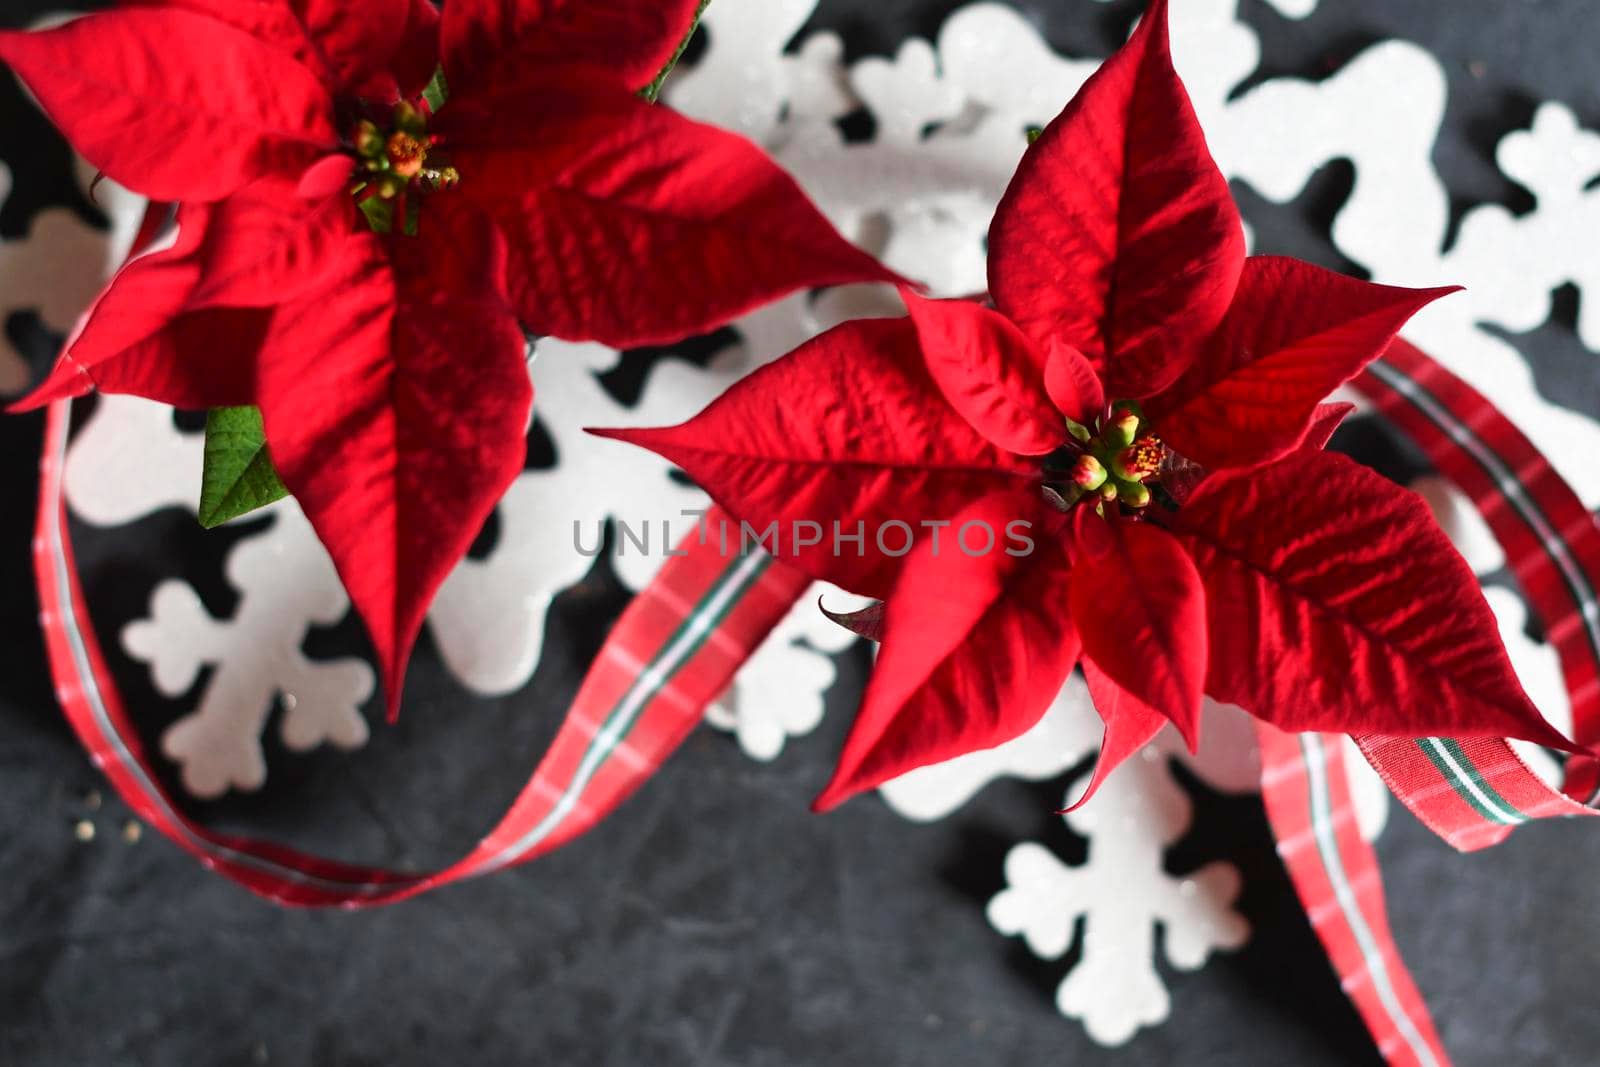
[(1119, 464), (374, 202)]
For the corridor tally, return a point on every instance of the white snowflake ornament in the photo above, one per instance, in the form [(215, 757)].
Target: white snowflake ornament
[(59, 267), (1121, 892)]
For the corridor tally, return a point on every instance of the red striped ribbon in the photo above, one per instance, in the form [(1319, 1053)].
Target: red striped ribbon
[(1335, 873)]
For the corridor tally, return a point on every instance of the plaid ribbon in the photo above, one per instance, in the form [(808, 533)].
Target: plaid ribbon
[(674, 649), (1335, 872)]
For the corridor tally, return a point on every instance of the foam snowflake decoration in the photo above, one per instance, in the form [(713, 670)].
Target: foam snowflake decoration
[(58, 266), (1140, 812), (1122, 891)]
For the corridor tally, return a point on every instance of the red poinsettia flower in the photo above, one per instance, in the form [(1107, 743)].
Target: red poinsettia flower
[(1119, 464), (543, 194)]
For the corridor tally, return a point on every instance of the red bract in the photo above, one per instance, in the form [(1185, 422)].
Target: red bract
[(544, 194), (1228, 556)]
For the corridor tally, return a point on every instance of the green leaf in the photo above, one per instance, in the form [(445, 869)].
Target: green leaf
[(238, 476), (379, 213), (652, 92), (437, 92)]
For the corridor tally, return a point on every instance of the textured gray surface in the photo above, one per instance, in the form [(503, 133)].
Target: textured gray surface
[(714, 921)]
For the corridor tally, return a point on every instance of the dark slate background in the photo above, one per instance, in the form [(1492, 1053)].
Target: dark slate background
[(712, 920)]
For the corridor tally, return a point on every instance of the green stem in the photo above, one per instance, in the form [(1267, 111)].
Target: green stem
[(652, 92)]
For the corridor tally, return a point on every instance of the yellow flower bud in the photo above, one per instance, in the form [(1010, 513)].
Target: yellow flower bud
[(1122, 429), (1089, 473), (368, 140)]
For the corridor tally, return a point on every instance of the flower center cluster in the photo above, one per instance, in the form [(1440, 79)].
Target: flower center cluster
[(399, 165), (1115, 461)]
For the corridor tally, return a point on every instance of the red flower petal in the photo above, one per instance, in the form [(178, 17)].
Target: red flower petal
[(267, 245), (141, 299), (1131, 724), (327, 176), (1337, 604), (194, 360), (1325, 423), (201, 359), (1295, 333), (846, 431), (272, 22), (989, 372), (631, 225), (1118, 234), (347, 45), (974, 650), (358, 41), (416, 56), (398, 421), (174, 105), (1073, 385), (629, 39), (260, 247), (1140, 608)]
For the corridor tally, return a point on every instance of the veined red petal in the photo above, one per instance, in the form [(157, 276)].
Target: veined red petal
[(201, 359), (349, 46), (173, 105), (149, 332), (1336, 603), (1118, 234), (359, 41), (1073, 385), (1295, 333), (267, 245), (416, 57), (274, 23), (989, 372), (194, 360), (1140, 608), (847, 433), (141, 299), (1131, 724), (488, 40), (327, 176), (975, 647), (631, 225), (398, 421), (1325, 422)]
